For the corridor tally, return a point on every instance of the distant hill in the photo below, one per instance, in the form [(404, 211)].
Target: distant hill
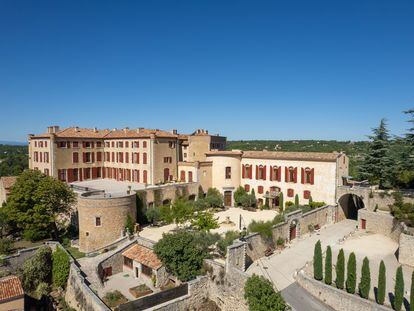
[(12, 143)]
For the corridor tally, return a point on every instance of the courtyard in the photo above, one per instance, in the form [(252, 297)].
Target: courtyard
[(232, 219)]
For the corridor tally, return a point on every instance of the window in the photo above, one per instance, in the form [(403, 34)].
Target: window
[(113, 144), (75, 144), (275, 173), (247, 171), (113, 156), (185, 155), (144, 177), (87, 233), (46, 147), (35, 143), (46, 157), (228, 172), (306, 194), (107, 144), (41, 156), (171, 144), (87, 144), (190, 176), (291, 174), (126, 144), (136, 144), (144, 158), (121, 157), (87, 173), (87, 157), (144, 144), (36, 156), (107, 156), (46, 171), (307, 176), (146, 270), (290, 193), (75, 157), (41, 144), (128, 262), (182, 176), (260, 189), (261, 172), (135, 157), (61, 144), (75, 174), (120, 144), (126, 157), (97, 221), (247, 188), (98, 144), (167, 159), (62, 175), (99, 156)]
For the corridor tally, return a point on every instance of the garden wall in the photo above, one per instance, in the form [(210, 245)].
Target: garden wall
[(338, 299), (380, 222), (406, 251)]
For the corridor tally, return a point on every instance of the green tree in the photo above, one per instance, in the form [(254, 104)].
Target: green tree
[(412, 291), (398, 289), (182, 253), (365, 282), (378, 165), (205, 221), (226, 241), (35, 202), (328, 266), (60, 268), (239, 195), (310, 200), (317, 261), (37, 269), (182, 211), (351, 274), (261, 296), (129, 224), (153, 214), (382, 283), (296, 200), (6, 245), (214, 198), (340, 270), (281, 206)]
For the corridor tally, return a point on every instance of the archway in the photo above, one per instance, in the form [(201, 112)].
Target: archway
[(350, 204), (293, 230)]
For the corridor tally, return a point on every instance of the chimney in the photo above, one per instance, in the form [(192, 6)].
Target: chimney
[(76, 128), (95, 130), (126, 129), (174, 131), (52, 129), (140, 129)]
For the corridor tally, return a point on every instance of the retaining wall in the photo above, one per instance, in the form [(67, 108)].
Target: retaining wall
[(380, 222), (406, 250)]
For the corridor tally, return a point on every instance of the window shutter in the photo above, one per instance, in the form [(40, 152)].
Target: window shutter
[(243, 171), (93, 157), (251, 171), (302, 175), (84, 157), (264, 172), (286, 174), (70, 175), (295, 174), (270, 173), (279, 173), (312, 176), (257, 172)]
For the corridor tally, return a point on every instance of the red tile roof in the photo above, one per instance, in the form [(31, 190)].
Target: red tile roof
[(10, 288), (8, 181), (143, 255)]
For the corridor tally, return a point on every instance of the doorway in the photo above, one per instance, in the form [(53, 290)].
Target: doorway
[(292, 232), (227, 198)]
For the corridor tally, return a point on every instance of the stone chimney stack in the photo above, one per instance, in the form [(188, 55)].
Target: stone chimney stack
[(53, 129)]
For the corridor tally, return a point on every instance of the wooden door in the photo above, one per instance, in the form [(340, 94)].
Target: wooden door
[(107, 272), (363, 224), (292, 232), (227, 198)]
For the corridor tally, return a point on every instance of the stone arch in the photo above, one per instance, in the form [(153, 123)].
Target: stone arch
[(294, 229), (350, 204), (166, 202)]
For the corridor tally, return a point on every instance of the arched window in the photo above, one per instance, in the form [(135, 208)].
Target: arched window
[(291, 174)]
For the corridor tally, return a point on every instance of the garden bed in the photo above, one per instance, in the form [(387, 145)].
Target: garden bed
[(140, 291)]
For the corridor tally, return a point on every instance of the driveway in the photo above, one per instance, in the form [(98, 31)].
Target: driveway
[(280, 268)]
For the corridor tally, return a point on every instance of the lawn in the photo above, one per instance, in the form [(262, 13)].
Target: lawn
[(75, 252), (114, 299)]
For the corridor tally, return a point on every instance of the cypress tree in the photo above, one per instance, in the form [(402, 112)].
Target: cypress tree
[(328, 266), (281, 205), (351, 274), (365, 283), (317, 261), (399, 289), (382, 283), (412, 292), (297, 200), (340, 270), (310, 200)]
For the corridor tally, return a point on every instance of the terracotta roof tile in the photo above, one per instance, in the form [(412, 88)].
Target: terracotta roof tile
[(10, 288), (8, 181), (279, 155), (143, 255), (139, 133)]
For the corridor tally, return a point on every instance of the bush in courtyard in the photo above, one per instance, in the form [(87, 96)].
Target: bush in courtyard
[(261, 296), (182, 253), (398, 290), (317, 261), (205, 221), (214, 198), (264, 228), (129, 224), (340, 269), (289, 204), (6, 245), (315, 204), (382, 283), (297, 200), (226, 241), (37, 269), (153, 215), (328, 266), (238, 196), (60, 268), (412, 291), (365, 282), (281, 206), (351, 274)]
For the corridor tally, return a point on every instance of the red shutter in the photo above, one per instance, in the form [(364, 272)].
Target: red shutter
[(270, 173), (84, 144), (94, 173), (251, 171), (104, 172), (84, 157), (295, 174), (93, 157), (264, 172), (279, 173), (257, 172), (243, 171), (286, 174), (70, 175), (302, 175), (312, 176)]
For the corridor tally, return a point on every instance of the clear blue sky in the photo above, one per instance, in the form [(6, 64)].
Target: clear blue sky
[(247, 69)]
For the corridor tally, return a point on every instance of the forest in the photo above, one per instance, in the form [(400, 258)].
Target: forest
[(13, 160)]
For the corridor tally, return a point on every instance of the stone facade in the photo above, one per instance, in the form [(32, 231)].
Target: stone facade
[(406, 250), (338, 299), (380, 222), (102, 219)]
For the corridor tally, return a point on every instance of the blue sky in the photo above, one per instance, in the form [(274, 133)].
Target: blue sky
[(246, 69)]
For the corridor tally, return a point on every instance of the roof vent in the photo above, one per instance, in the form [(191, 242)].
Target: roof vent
[(126, 129), (95, 130)]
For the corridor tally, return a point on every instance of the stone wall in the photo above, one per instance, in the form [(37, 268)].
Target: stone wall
[(406, 250), (380, 222), (168, 191), (236, 255), (338, 299)]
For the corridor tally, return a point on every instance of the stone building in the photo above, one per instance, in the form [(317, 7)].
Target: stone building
[(6, 183), (11, 294)]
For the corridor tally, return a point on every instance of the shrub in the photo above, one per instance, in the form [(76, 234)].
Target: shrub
[(214, 198), (37, 269), (264, 228), (280, 241), (310, 200), (340, 270), (281, 201), (6, 245), (412, 291), (317, 261), (129, 224), (205, 221), (153, 214), (399, 289), (261, 296), (328, 266), (60, 268), (382, 283), (365, 282), (238, 196), (227, 240), (351, 274), (297, 200), (315, 204), (288, 204)]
